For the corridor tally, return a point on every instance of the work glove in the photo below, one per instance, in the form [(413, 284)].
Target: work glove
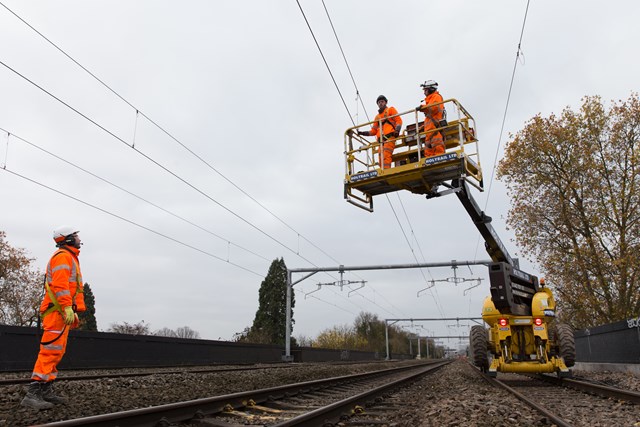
[(363, 133), (397, 133), (69, 316)]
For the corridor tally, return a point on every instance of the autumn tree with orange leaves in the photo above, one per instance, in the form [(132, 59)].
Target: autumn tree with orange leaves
[(574, 184), (20, 286)]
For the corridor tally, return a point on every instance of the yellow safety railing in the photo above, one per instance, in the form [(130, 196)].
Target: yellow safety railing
[(363, 156)]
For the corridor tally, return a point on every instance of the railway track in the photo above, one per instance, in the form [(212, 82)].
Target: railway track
[(23, 377), (142, 373), (571, 403), (312, 403), (458, 394)]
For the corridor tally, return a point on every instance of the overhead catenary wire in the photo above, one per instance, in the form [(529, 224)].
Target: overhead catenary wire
[(62, 193), (78, 167), (325, 63), (506, 109), (415, 257), (143, 227), (6, 153), (138, 112), (151, 203), (171, 136), (345, 61), (330, 72), (436, 297), (157, 163), (132, 146), (414, 236)]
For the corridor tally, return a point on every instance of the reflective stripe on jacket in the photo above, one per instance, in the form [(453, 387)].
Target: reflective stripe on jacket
[(65, 280), (435, 112)]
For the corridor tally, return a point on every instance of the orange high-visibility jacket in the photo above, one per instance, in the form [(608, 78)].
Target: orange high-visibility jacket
[(433, 112), (65, 280), (389, 123)]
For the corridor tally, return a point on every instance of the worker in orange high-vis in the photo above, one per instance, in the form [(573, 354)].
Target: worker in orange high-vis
[(63, 297), (434, 114), (391, 123)]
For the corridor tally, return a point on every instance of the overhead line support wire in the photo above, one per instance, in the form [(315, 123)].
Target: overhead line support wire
[(413, 253), (368, 119), (437, 296), (506, 108), (131, 222), (329, 68), (156, 163), (134, 195), (345, 61), (504, 116), (138, 112), (325, 63), (367, 115), (6, 153)]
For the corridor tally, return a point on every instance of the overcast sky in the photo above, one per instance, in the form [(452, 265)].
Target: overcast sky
[(242, 86)]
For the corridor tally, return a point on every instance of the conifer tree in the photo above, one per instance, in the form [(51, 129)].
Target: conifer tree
[(270, 320), (88, 318)]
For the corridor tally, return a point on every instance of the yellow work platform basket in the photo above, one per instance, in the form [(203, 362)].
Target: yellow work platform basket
[(411, 170)]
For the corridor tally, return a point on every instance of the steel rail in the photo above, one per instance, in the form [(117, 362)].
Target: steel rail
[(199, 408), (186, 370), (616, 393), (342, 408), (13, 381), (557, 420), (583, 386)]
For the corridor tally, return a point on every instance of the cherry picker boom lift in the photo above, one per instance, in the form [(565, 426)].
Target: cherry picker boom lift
[(523, 335)]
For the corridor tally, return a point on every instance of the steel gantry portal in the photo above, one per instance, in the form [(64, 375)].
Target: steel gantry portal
[(342, 269), (388, 322)]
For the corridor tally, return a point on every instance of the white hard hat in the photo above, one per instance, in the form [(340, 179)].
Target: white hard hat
[(429, 84), (61, 233)]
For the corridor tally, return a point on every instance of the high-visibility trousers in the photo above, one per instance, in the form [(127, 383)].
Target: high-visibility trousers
[(434, 143), (54, 336), (387, 152), (435, 150)]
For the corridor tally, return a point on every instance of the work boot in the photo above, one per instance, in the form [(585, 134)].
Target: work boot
[(34, 399), (49, 395)]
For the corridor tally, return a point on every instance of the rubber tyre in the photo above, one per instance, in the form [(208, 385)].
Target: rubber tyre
[(478, 344), (566, 344)]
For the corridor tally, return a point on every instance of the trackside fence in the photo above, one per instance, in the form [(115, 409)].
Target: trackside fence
[(90, 350), (617, 342)]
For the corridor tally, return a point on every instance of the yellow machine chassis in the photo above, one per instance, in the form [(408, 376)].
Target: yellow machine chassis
[(556, 364), (500, 335), (364, 178)]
